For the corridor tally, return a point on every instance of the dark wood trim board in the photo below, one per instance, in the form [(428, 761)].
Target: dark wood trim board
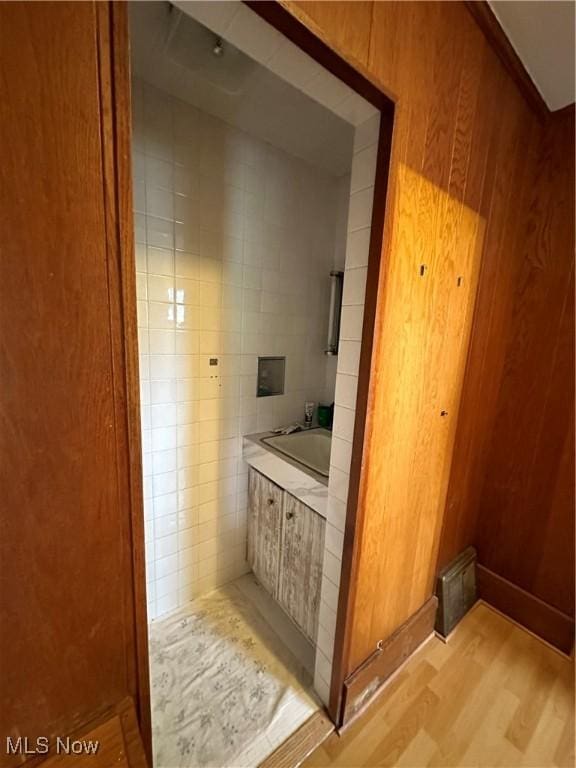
[(366, 681), (114, 63), (527, 610), (292, 752), (301, 36)]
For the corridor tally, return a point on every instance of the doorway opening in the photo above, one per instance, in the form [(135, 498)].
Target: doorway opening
[(254, 172)]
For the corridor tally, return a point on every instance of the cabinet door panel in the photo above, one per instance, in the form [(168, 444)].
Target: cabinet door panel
[(302, 554), (264, 524)]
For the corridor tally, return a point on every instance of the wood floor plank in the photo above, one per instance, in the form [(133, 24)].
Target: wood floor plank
[(548, 733), (564, 756), (493, 695), (401, 695), (486, 746), (397, 740), (422, 675), (475, 672), (530, 708), (419, 750)]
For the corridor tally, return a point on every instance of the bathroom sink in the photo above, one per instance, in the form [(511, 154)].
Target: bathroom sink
[(310, 447)]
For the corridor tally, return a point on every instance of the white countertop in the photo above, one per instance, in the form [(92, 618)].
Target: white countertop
[(307, 486)]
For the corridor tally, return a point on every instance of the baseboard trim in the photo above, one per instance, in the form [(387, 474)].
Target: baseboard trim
[(529, 611), (363, 684), (292, 752)]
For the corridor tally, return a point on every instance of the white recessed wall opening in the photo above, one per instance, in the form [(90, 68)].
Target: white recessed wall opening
[(253, 173)]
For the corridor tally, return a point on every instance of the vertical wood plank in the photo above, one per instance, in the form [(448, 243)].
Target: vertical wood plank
[(114, 66), (345, 23), (264, 530)]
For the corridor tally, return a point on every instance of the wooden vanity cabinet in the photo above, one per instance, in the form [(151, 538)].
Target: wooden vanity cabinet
[(286, 550)]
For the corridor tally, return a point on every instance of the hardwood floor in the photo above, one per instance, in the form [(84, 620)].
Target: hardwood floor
[(494, 695)]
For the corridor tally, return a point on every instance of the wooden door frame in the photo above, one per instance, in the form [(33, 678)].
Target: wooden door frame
[(311, 41), (116, 114)]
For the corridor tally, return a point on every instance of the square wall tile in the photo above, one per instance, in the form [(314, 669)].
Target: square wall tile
[(363, 169), (161, 316), (332, 570), (160, 261), (338, 485), (341, 454), (354, 287), (323, 666), (344, 423), (322, 688), (160, 288), (159, 173), (351, 322), (348, 358), (360, 212), (367, 133), (346, 389), (334, 540), (358, 248), (159, 202)]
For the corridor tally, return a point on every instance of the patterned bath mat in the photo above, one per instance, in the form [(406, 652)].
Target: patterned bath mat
[(221, 680)]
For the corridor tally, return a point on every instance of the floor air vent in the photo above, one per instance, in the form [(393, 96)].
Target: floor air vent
[(456, 591)]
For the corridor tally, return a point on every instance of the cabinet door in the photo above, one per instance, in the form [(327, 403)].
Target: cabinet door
[(264, 524), (302, 555)]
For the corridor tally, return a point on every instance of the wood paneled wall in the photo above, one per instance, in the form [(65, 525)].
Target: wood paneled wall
[(464, 166), (445, 131), (68, 629), (346, 23), (512, 484)]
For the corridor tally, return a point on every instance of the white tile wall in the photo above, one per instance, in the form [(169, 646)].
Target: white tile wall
[(356, 262), (234, 243)]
